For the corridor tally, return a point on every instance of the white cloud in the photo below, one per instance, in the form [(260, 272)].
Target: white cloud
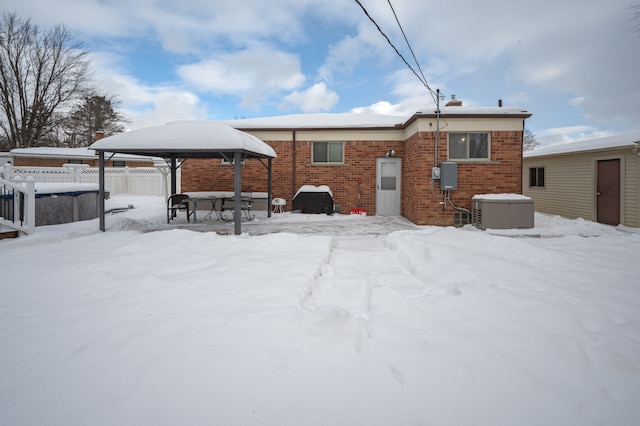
[(519, 50), (560, 135), (345, 55), (577, 101), (145, 105), (409, 93), (315, 99), (165, 106), (384, 108), (253, 74)]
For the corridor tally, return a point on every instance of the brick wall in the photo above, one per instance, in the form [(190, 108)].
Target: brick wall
[(360, 163), (421, 201)]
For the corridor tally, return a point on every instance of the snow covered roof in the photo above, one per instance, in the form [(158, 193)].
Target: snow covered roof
[(186, 139), (319, 121), (72, 153), (48, 151), (617, 141), (478, 111), (367, 120)]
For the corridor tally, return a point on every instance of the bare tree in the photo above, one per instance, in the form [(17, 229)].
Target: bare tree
[(529, 140), (41, 72), (94, 113)]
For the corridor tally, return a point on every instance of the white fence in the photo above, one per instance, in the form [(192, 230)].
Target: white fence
[(118, 180), (18, 204)]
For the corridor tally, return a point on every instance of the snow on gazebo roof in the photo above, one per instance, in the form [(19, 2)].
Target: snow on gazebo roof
[(186, 139)]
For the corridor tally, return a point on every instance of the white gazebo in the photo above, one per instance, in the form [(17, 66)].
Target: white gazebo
[(183, 140)]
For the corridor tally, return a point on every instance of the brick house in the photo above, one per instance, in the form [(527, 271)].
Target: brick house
[(381, 163)]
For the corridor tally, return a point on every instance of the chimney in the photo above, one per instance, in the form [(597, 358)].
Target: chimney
[(99, 135), (500, 103), (453, 102)]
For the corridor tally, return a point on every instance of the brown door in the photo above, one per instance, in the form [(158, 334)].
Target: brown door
[(608, 192)]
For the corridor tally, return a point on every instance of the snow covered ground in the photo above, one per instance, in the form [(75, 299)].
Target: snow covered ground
[(319, 320)]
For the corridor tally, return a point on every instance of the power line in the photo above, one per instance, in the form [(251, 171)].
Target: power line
[(390, 43), (424, 79), (408, 44)]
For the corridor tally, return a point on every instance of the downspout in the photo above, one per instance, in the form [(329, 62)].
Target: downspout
[(435, 149), (521, 153), (269, 187), (293, 164)]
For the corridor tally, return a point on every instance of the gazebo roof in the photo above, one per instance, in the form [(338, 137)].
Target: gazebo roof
[(186, 139)]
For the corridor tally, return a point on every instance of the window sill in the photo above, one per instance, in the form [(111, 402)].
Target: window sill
[(327, 164)]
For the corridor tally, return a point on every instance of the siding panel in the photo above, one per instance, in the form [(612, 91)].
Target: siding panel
[(568, 187), (570, 182), (632, 190)]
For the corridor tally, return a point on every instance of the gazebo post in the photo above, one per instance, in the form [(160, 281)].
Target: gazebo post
[(101, 189), (237, 187), (174, 173)]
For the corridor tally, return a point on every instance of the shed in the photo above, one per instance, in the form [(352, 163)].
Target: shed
[(184, 140), (597, 179)]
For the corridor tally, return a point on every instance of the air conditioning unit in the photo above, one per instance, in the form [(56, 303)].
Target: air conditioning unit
[(502, 211)]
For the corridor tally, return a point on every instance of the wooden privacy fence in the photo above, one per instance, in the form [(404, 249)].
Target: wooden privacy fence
[(118, 180)]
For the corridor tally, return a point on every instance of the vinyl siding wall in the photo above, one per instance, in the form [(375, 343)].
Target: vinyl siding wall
[(632, 190), (571, 182)]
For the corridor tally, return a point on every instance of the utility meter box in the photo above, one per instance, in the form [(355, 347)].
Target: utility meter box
[(435, 173), (448, 175)]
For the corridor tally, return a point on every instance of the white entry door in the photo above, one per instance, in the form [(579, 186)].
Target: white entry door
[(388, 172)]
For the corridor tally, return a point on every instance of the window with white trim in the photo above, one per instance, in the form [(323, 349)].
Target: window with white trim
[(327, 152), (469, 146)]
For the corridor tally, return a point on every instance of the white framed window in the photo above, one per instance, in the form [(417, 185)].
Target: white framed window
[(469, 146), (327, 152)]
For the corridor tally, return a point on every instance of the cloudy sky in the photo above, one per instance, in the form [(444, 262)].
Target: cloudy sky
[(573, 63)]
